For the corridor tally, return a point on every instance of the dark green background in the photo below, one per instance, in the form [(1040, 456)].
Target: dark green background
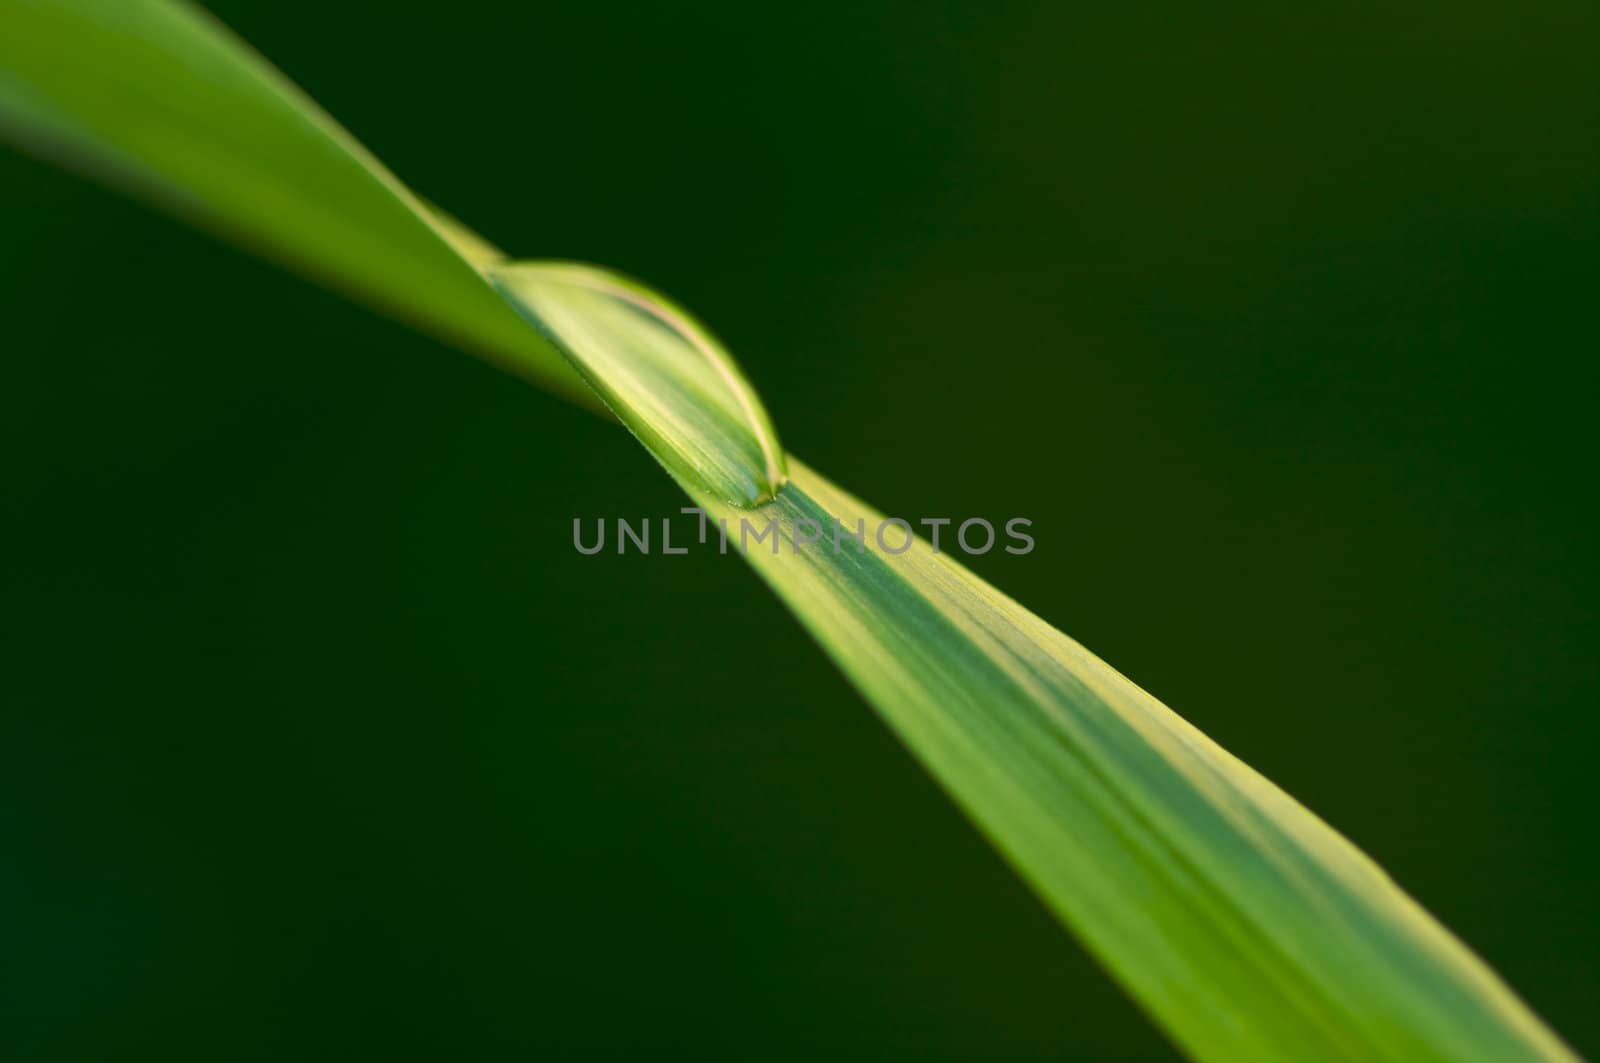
[(320, 742)]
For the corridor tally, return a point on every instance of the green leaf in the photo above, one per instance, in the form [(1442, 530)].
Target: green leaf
[(1247, 927), (160, 99)]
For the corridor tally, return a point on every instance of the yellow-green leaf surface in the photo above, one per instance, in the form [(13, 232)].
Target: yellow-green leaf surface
[(1244, 925), (161, 99), (1249, 928)]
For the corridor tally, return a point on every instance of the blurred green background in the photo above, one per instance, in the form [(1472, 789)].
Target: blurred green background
[(321, 742)]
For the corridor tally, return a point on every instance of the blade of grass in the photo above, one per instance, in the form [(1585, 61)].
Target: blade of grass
[(1247, 927), (162, 100)]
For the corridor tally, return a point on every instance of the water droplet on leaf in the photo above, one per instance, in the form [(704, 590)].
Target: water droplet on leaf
[(660, 371)]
